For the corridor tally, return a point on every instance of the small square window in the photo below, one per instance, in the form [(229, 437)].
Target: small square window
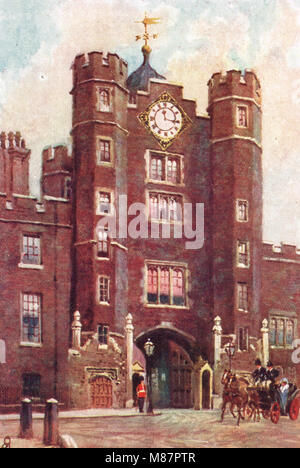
[(104, 100), (31, 250), (104, 151), (103, 335), (242, 116), (242, 211), (243, 256), (104, 203), (104, 289)]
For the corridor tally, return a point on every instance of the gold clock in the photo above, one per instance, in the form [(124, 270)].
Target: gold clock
[(165, 120)]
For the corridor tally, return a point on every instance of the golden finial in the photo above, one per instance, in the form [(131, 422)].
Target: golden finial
[(146, 36)]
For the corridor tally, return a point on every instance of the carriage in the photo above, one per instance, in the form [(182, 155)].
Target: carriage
[(269, 404)]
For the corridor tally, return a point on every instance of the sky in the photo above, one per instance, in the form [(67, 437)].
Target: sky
[(40, 38)]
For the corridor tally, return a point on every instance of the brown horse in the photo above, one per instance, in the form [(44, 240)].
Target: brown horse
[(235, 393), (226, 396), (254, 404)]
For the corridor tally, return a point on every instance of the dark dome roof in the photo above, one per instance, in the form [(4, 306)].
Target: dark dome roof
[(139, 79)]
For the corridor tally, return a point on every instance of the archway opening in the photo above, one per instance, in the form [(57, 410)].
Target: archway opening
[(171, 368)]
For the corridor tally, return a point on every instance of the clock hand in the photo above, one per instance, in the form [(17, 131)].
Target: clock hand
[(165, 118)]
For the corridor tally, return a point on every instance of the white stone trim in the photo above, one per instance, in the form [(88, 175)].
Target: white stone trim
[(30, 266), (282, 260), (102, 122), (236, 97), (56, 199), (236, 137), (120, 246)]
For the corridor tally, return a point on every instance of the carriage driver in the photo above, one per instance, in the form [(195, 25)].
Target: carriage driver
[(260, 374), (271, 374)]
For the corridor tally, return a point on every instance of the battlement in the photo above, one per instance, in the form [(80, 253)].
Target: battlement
[(97, 65), (234, 83), (12, 140), (281, 251), (56, 158)]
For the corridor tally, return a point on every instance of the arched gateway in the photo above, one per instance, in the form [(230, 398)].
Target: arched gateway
[(172, 366)]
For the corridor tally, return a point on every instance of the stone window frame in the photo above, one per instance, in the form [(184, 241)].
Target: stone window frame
[(162, 265), (162, 194), (165, 157), (102, 257), (98, 192), (110, 140), (246, 254), (240, 201), (24, 341), (104, 344), (242, 288), (239, 107), (108, 109), (285, 318), (31, 266), (107, 288)]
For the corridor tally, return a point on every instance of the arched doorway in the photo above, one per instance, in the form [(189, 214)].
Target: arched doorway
[(171, 367), (101, 392)]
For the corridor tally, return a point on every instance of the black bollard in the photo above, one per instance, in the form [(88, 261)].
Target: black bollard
[(51, 423), (26, 419)]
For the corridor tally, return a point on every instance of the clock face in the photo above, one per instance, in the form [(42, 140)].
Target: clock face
[(165, 120)]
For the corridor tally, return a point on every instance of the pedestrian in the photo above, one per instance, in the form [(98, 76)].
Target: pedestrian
[(284, 390), (141, 394)]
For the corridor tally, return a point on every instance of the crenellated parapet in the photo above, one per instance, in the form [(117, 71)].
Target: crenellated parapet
[(96, 65), (234, 83), (281, 251)]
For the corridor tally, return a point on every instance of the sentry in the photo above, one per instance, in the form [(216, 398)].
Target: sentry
[(172, 457)]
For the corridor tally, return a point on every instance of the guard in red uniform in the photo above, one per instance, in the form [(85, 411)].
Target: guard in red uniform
[(141, 394)]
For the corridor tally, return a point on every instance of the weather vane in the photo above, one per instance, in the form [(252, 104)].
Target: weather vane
[(146, 36)]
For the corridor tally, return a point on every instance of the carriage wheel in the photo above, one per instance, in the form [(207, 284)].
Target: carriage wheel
[(294, 410), (248, 412), (275, 413)]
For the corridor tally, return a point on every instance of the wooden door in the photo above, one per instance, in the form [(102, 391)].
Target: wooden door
[(181, 379), (101, 392)]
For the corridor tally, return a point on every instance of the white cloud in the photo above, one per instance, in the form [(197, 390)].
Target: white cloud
[(37, 101), (281, 96)]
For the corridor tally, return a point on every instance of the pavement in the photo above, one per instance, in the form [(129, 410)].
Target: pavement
[(16, 442)]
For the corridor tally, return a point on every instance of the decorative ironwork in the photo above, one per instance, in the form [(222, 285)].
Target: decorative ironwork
[(146, 36)]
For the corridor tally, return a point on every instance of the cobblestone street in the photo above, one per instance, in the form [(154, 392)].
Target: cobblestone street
[(171, 429)]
